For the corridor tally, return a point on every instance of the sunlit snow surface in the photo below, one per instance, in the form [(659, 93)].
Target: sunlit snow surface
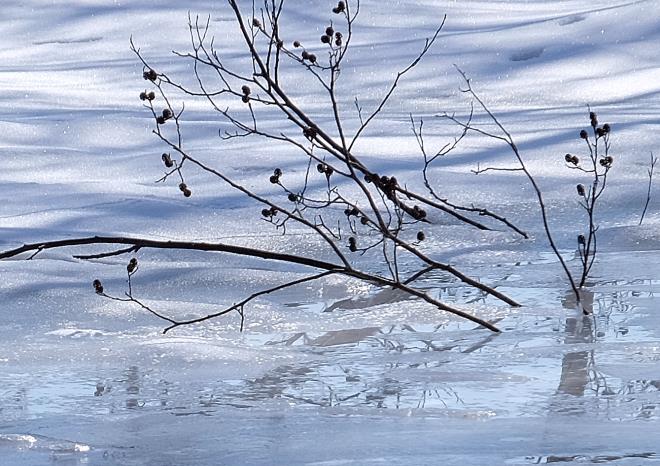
[(332, 373)]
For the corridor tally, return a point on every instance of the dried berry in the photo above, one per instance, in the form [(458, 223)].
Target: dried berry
[(98, 286), (320, 168), (132, 265), (581, 240), (296, 43), (277, 172), (246, 90), (325, 39), (568, 158), (305, 55), (309, 133), (329, 171), (256, 23), (167, 160), (329, 31), (183, 186), (150, 75), (187, 192), (600, 132), (160, 120), (167, 113), (293, 197), (266, 213), (352, 244), (580, 190), (245, 98), (312, 58), (364, 220), (594, 119), (340, 8), (151, 95), (421, 236), (606, 128), (583, 134), (274, 179), (143, 95)]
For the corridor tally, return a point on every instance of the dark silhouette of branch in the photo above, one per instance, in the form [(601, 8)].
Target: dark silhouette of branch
[(650, 171), (242, 251)]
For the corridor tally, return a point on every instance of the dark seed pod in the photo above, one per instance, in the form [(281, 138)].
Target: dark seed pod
[(187, 192), (581, 240), (256, 23), (338, 42), (575, 160), (320, 168), (309, 133), (421, 236), (245, 98), (246, 90), (167, 113), (606, 128), (266, 213), (568, 158), (600, 132), (329, 171), (364, 220), (150, 75), (160, 120), (293, 197), (132, 265), (347, 212), (594, 119), (143, 95), (277, 172), (312, 58), (98, 286), (580, 190), (305, 55), (329, 31), (183, 186), (167, 160), (338, 35), (583, 134), (274, 179), (273, 211), (296, 43), (151, 95), (325, 39), (352, 244), (280, 44)]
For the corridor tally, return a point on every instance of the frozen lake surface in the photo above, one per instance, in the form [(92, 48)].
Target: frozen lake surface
[(336, 372)]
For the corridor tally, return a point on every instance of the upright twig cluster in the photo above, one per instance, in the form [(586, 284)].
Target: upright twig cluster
[(596, 166)]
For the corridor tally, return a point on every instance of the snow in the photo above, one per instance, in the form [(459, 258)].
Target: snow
[(336, 372)]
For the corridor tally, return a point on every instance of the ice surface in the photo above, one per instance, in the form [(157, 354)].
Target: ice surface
[(337, 372)]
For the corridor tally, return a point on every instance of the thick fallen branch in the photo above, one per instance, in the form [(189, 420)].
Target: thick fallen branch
[(141, 243)]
